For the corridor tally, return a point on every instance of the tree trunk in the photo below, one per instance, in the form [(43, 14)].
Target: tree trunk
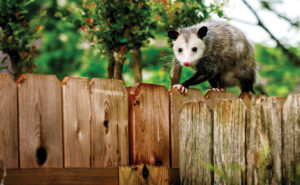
[(137, 65), (118, 71), (110, 66), (175, 73)]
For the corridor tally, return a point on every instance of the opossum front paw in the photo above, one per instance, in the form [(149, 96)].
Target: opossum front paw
[(180, 88)]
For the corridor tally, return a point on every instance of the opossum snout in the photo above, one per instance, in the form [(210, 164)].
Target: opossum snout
[(187, 63)]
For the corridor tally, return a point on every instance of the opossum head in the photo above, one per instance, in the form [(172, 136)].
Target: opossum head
[(188, 45)]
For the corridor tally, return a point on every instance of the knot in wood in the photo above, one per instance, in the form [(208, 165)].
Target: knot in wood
[(145, 172)]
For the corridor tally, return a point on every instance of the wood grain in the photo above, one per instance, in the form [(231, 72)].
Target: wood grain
[(143, 174), (291, 140), (149, 124), (229, 142), (62, 176), (213, 97), (76, 122), (8, 123), (177, 101), (40, 121), (109, 123), (195, 136), (264, 137)]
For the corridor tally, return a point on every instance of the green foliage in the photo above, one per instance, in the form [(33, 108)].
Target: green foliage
[(62, 45), (16, 33), (277, 74), (119, 26)]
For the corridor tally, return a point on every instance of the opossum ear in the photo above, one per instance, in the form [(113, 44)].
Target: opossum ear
[(173, 35), (202, 32)]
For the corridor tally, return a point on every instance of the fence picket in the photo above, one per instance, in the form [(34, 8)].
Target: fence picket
[(76, 121), (109, 124), (8, 123), (195, 136), (229, 142), (40, 121), (177, 101), (149, 124), (291, 140)]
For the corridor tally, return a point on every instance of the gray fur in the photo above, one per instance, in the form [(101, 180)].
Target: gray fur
[(229, 51)]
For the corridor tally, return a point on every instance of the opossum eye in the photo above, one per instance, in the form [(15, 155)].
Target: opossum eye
[(194, 49), (179, 50)]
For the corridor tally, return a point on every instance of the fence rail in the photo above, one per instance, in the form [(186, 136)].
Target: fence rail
[(100, 124)]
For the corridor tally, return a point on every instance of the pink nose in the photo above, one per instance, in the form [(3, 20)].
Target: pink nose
[(187, 63)]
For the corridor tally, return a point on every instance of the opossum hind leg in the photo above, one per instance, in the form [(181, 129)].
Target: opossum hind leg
[(246, 85)]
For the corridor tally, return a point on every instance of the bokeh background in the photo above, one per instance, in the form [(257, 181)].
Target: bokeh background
[(127, 39)]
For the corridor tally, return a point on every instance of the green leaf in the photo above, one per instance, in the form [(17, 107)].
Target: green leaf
[(123, 40)]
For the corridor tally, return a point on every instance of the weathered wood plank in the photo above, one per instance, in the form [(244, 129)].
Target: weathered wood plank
[(291, 140), (195, 136), (229, 142), (177, 101), (76, 122), (264, 139), (147, 174), (109, 123), (149, 124), (40, 121), (213, 97), (62, 176), (8, 123), (250, 101)]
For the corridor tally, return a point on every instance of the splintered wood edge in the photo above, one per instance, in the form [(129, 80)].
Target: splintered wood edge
[(26, 75), (68, 78)]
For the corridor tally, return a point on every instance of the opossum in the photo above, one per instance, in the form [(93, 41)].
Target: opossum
[(218, 52)]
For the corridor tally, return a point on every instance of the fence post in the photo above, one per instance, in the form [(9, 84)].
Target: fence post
[(195, 137), (177, 101), (76, 121), (109, 123), (149, 124), (291, 140), (40, 121), (8, 122), (229, 142)]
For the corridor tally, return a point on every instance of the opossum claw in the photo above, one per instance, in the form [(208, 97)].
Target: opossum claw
[(180, 88)]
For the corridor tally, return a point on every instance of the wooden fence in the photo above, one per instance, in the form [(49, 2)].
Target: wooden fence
[(100, 132)]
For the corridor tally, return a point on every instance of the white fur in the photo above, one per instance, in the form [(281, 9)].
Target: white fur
[(187, 55)]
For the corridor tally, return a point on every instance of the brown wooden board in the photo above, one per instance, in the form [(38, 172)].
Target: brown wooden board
[(8, 123), (264, 138), (291, 140), (40, 121), (148, 174), (229, 142), (196, 139), (109, 123), (62, 176), (76, 122), (177, 101), (213, 97), (149, 124)]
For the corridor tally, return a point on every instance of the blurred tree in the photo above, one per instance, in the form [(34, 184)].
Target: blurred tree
[(62, 46), (120, 27), (267, 4), (16, 34)]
